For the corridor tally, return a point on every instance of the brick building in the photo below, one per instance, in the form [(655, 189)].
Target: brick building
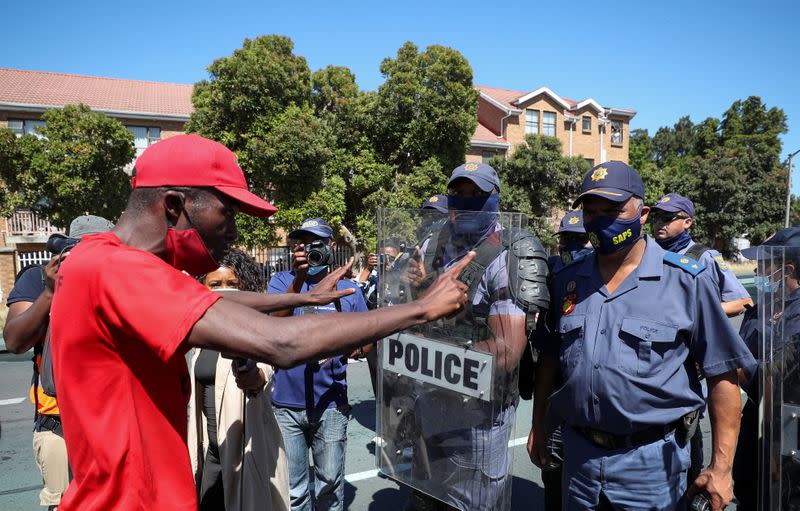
[(585, 128), (151, 110)]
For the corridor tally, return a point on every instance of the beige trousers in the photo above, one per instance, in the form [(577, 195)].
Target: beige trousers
[(50, 452)]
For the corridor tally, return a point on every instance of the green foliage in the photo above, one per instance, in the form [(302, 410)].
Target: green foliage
[(730, 168), (427, 107), (76, 167), (317, 146), (258, 80), (539, 181)]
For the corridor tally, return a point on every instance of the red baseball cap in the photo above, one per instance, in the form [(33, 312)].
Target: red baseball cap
[(191, 160)]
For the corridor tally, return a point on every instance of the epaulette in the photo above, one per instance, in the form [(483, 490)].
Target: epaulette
[(687, 264)]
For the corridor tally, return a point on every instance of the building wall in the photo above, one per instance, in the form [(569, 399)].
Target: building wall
[(8, 271), (489, 115), (584, 144)]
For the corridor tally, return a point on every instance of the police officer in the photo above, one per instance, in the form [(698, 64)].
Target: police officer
[(776, 280), (672, 217), (467, 439), (573, 243), (630, 389)]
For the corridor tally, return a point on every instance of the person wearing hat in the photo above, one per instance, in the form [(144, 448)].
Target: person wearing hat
[(466, 439), (310, 400), (630, 390), (778, 279), (126, 310), (26, 324), (672, 217), (573, 243)]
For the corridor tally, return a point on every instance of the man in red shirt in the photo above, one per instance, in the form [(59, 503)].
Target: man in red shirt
[(126, 311)]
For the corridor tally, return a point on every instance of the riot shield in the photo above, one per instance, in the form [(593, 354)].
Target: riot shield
[(778, 378), (447, 390)]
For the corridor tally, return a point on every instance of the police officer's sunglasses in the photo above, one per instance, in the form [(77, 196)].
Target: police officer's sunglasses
[(666, 218)]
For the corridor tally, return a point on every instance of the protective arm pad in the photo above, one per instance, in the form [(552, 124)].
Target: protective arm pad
[(527, 272)]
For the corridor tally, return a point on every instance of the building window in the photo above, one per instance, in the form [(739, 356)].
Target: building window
[(586, 124), (25, 126), (487, 155), (616, 133), (549, 124), (531, 122), (144, 137), (590, 161)]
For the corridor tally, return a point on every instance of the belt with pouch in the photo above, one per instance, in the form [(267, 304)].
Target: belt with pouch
[(44, 422), (645, 436)]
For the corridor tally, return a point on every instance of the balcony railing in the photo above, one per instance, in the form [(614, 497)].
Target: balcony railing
[(26, 223)]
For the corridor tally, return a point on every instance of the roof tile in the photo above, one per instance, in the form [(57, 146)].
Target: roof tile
[(111, 94)]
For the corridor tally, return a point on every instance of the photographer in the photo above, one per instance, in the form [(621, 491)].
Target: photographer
[(310, 401), (28, 318)]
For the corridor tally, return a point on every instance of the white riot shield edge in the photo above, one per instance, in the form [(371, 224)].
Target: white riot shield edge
[(779, 382)]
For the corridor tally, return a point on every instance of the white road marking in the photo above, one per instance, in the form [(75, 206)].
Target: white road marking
[(12, 401)]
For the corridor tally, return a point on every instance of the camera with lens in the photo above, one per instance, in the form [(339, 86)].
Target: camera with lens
[(59, 244), (700, 502), (319, 253)]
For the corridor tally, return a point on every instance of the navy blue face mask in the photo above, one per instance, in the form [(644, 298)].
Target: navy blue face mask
[(470, 228), (676, 243), (608, 235)]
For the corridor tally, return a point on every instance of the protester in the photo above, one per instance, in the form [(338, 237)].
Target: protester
[(310, 400), (230, 416), (630, 390), (124, 314), (26, 324)]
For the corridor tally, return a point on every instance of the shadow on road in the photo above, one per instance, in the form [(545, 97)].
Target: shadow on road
[(525, 495), (364, 413)]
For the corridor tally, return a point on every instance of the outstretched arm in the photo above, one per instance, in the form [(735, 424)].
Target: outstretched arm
[(287, 342)]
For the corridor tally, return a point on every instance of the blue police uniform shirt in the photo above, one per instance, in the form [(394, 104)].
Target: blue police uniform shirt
[(729, 286), (314, 386), (28, 287), (628, 358)]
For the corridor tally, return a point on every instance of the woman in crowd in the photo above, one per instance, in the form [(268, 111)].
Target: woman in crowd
[(231, 418)]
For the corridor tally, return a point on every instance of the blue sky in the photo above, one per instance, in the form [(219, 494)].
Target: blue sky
[(663, 59)]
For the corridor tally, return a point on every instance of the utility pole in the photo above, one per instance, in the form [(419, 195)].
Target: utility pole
[(789, 189)]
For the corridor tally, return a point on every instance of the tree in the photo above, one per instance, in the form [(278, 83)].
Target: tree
[(74, 167), (427, 107), (539, 181), (730, 168), (317, 146), (260, 79)]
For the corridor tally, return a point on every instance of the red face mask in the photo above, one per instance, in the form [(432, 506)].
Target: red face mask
[(186, 251)]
